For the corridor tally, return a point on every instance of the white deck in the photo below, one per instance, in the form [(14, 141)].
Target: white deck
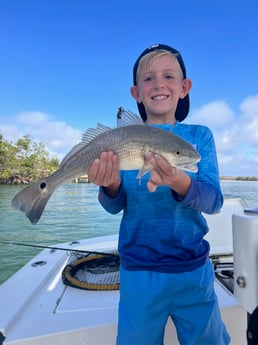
[(36, 307)]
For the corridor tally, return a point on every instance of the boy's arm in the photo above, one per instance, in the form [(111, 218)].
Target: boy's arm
[(112, 204), (205, 192), (200, 191)]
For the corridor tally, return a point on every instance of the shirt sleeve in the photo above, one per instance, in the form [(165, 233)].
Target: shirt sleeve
[(205, 192), (112, 205)]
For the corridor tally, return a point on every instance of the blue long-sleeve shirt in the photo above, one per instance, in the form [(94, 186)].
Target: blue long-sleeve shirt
[(163, 231)]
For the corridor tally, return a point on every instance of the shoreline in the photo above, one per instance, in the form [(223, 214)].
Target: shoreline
[(239, 178), (18, 179)]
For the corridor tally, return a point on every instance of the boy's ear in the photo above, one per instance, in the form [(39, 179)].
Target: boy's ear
[(135, 93), (186, 87)]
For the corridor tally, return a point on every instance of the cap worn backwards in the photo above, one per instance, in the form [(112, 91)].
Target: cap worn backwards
[(183, 104)]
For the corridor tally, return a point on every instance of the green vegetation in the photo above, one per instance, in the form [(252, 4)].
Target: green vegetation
[(24, 161), (246, 178), (239, 178)]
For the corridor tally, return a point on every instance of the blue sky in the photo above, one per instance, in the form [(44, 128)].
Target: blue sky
[(66, 65)]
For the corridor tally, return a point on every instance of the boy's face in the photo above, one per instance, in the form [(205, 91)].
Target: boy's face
[(159, 88)]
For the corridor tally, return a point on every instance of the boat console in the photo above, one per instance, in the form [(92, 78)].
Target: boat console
[(245, 245)]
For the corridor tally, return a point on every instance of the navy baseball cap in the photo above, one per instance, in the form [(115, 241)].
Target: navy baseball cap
[(183, 104)]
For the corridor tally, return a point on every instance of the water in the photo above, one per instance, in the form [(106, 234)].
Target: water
[(72, 213)]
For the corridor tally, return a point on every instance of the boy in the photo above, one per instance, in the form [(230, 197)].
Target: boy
[(165, 268)]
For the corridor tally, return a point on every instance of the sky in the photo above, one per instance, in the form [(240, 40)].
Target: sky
[(66, 65)]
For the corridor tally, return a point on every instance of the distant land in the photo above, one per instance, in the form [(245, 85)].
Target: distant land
[(239, 178)]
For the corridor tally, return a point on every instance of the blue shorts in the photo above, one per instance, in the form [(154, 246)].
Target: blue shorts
[(148, 299)]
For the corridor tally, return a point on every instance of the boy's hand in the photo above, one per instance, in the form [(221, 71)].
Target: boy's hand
[(164, 174), (105, 172)]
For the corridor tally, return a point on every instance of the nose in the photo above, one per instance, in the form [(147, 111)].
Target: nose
[(158, 83)]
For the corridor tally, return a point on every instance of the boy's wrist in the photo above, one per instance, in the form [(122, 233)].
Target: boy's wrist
[(181, 184), (113, 189)]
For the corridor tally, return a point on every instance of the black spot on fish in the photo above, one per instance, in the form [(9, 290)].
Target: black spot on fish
[(43, 185)]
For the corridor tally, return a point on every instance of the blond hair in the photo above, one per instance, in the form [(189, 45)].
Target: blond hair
[(152, 56)]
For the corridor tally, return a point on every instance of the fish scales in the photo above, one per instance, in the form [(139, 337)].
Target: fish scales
[(130, 143), (128, 148)]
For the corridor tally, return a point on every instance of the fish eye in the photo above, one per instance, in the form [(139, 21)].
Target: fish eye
[(178, 153)]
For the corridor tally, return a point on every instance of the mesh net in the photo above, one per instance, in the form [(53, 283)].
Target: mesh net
[(92, 272)]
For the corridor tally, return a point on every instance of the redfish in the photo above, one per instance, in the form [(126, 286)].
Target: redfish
[(131, 141)]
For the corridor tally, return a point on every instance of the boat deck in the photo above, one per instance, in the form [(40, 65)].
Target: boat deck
[(37, 308)]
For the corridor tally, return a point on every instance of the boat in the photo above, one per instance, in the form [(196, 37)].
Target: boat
[(81, 179), (37, 307)]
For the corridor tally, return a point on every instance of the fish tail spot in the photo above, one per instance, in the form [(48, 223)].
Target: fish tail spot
[(43, 185)]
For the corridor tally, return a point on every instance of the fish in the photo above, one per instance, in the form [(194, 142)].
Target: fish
[(131, 140)]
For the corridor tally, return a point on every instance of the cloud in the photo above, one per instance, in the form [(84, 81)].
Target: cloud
[(235, 133), (216, 114), (249, 105), (249, 120), (32, 118), (58, 136)]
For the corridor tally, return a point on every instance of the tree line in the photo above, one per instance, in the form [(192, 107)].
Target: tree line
[(24, 161)]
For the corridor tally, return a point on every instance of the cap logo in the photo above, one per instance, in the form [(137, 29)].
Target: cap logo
[(153, 46)]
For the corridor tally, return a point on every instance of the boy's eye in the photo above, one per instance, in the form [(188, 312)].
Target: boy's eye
[(165, 77), (147, 79)]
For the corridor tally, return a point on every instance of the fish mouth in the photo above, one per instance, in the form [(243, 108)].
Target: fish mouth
[(189, 165), (191, 168)]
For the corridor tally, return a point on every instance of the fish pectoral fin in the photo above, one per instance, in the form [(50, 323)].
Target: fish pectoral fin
[(147, 167)]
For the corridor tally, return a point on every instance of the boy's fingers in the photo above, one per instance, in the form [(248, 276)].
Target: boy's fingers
[(93, 171)]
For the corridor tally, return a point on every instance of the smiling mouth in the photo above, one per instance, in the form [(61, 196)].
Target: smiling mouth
[(159, 97)]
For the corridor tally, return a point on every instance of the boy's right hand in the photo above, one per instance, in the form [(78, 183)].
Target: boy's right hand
[(105, 172)]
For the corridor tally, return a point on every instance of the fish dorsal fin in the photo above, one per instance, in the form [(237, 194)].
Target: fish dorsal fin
[(87, 137), (92, 133), (127, 118)]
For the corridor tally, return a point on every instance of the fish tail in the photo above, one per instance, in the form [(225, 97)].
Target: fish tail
[(33, 199)]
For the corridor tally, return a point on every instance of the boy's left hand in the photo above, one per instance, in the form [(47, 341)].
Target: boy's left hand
[(164, 174)]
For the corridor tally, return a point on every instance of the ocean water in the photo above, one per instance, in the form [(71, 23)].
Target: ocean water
[(72, 213)]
